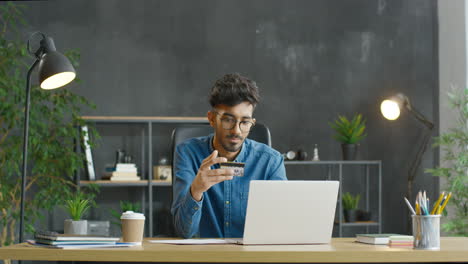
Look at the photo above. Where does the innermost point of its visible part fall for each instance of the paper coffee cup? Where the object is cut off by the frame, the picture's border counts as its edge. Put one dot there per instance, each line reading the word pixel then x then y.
pixel 133 225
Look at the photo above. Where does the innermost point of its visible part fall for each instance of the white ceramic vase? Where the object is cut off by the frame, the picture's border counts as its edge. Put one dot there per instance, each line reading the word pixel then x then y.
pixel 79 227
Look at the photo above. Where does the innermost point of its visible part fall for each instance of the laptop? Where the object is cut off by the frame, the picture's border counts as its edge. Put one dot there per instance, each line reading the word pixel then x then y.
pixel 290 212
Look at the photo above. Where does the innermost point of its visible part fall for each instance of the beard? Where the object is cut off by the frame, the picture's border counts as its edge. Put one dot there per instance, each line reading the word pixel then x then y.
pixel 232 147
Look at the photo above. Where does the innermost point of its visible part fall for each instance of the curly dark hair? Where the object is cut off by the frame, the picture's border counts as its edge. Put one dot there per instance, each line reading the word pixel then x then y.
pixel 233 89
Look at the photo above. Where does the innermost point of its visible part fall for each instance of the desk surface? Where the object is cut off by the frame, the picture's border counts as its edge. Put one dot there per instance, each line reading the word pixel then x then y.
pixel 453 249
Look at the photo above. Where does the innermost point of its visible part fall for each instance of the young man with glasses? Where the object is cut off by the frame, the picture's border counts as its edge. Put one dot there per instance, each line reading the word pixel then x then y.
pixel 209 201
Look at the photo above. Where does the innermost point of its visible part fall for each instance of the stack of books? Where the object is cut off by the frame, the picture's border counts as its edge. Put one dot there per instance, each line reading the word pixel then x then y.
pixel 122 172
pixel 55 240
pixel 376 239
pixel 400 241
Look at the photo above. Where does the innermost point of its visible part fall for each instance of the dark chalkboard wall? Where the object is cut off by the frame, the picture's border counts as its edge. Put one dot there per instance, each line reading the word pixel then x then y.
pixel 312 61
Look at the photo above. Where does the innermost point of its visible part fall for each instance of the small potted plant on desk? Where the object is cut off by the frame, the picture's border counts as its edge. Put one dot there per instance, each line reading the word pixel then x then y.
pixel 350 204
pixel 349 133
pixel 76 206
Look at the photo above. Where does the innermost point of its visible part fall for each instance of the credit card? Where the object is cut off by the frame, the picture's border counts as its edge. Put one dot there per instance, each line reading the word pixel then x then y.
pixel 238 167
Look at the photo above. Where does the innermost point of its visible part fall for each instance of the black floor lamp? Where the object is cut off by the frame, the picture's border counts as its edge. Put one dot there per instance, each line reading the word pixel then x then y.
pixel 390 109
pixel 55 71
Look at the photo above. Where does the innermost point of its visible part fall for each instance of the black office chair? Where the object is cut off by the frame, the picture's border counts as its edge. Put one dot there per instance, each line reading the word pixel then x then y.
pixel 259 133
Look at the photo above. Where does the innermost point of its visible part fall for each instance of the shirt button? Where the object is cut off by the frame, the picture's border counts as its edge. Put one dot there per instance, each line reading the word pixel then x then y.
pixel 227 202
pixel 196 208
pixel 227 223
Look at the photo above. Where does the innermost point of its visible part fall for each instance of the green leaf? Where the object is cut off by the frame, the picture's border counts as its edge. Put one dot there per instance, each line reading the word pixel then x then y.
pixel 454 169
pixel 348 132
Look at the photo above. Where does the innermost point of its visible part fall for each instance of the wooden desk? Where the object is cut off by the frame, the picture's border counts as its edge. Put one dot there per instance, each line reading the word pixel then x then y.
pixel 342 250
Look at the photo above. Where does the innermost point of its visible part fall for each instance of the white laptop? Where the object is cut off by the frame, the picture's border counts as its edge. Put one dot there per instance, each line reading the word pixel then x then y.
pixel 290 212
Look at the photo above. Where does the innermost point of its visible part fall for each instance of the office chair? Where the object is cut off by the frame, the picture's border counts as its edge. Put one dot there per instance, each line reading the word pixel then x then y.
pixel 259 133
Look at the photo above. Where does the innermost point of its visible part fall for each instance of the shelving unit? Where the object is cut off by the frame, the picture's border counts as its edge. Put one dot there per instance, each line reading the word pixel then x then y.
pixel 146 167
pixel 146 164
pixel 340 164
pixel 125 183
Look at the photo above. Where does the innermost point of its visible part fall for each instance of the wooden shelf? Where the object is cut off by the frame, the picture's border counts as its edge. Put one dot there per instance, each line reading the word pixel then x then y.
pixel 155 119
pixel 125 183
pixel 115 183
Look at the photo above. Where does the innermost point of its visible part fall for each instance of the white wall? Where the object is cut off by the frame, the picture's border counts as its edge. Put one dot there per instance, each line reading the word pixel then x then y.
pixel 452 58
pixel 452 52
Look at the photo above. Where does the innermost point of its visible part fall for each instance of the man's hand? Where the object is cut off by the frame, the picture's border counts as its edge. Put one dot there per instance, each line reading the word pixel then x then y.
pixel 206 177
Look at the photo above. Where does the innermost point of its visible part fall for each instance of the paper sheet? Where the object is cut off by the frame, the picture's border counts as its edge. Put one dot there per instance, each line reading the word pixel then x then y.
pixel 191 241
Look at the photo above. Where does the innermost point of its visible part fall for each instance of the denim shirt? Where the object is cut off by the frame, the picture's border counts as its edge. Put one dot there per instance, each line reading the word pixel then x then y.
pixel 221 212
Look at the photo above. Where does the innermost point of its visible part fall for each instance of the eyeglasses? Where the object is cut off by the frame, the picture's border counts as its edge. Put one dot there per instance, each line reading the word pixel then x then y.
pixel 229 123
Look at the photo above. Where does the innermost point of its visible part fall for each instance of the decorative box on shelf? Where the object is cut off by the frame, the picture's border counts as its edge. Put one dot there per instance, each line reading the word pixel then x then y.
pixel 162 173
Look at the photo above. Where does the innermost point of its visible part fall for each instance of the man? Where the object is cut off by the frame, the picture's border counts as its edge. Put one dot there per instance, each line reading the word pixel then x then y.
pixel 209 201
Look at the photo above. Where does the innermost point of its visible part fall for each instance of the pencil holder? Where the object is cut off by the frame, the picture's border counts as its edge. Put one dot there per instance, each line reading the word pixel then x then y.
pixel 426 232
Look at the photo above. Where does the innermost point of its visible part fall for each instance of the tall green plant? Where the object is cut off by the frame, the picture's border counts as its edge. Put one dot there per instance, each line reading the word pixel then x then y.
pixel 349 131
pixel 52 131
pixel 454 145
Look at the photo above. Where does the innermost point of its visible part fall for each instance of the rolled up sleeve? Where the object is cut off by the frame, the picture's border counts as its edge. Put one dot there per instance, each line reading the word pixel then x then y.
pixel 185 210
pixel 278 171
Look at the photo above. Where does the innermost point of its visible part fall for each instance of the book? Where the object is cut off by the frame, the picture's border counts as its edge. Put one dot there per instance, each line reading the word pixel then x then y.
pixel 124 166
pixel 71 242
pixel 376 239
pixel 134 170
pixel 122 178
pixel 124 174
pixel 49 235
pixel 401 238
pixel 88 154
pixel 401 241
pixel 83 246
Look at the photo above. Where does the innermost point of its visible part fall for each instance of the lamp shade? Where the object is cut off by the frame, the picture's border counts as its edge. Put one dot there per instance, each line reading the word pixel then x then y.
pixel 55 70
pixel 392 106
pixel 390 109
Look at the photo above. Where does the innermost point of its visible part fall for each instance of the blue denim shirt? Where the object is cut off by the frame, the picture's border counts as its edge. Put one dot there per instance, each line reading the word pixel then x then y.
pixel 221 212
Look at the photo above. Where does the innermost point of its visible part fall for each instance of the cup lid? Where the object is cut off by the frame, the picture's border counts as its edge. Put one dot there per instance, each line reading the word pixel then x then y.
pixel 132 215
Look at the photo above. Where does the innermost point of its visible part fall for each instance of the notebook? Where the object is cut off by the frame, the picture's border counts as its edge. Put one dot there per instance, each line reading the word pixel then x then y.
pixel 376 239
pixel 290 212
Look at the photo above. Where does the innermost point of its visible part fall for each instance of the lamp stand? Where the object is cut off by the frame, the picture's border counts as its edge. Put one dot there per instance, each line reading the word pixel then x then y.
pixel 417 161
pixel 25 147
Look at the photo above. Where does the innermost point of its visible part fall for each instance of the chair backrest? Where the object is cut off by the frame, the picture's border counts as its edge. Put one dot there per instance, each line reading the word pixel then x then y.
pixel 259 133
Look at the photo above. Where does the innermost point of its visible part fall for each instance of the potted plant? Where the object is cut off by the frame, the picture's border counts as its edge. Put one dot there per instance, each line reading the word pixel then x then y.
pixel 350 205
pixel 454 168
pixel 349 133
pixel 76 206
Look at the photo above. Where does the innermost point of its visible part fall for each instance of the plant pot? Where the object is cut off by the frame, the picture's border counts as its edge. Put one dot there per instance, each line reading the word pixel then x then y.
pixel 350 215
pixel 349 151
pixel 364 215
pixel 79 227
